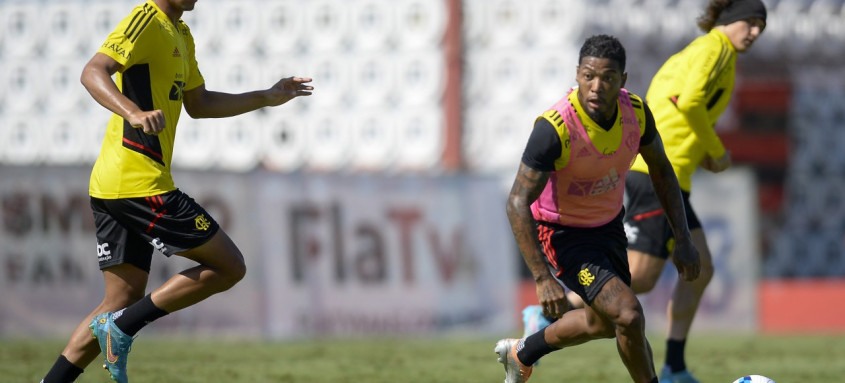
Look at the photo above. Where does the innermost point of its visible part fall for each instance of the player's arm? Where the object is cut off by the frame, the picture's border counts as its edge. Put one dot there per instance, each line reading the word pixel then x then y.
pixel 710 61
pixel 96 78
pixel 203 103
pixel 537 162
pixel 668 191
pixel 527 186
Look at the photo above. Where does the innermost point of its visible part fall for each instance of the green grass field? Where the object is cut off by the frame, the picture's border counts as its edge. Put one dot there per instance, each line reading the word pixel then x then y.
pixel 715 359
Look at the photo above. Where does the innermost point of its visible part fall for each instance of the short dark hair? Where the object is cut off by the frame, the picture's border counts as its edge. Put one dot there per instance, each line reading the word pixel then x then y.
pixel 605 47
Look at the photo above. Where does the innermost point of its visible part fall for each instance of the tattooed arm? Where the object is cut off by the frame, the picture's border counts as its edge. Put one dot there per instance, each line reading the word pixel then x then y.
pixel 666 186
pixel 527 186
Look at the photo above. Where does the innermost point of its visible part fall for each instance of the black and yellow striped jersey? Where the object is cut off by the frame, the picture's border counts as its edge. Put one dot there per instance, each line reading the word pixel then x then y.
pixel 158 65
pixel 687 95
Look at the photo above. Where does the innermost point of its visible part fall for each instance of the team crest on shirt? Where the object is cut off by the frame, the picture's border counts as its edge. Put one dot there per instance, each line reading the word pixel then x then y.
pixel 202 223
pixel 585 278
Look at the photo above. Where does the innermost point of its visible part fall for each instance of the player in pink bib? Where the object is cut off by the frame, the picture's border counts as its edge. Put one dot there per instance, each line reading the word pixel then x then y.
pixel 565 210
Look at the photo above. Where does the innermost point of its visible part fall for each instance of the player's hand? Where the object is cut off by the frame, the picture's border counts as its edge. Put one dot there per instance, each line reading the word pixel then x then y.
pixel 150 122
pixel 717 165
pixel 552 297
pixel 287 89
pixel 686 259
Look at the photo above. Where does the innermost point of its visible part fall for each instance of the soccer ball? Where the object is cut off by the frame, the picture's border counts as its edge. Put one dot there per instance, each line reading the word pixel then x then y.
pixel 754 379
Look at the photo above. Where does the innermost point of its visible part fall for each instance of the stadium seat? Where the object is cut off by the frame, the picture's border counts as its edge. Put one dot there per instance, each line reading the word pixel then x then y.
pixel 329 142
pixel 198 144
pixel 420 135
pixel 283 142
pixel 374 143
pixel 422 23
pixel 240 142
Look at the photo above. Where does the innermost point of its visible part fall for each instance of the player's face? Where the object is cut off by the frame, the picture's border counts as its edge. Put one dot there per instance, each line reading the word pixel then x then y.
pixel 599 81
pixel 743 33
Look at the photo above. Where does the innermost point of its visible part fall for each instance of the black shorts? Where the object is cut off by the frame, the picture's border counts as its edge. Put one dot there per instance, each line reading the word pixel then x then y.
pixel 130 229
pixel 646 224
pixel 584 259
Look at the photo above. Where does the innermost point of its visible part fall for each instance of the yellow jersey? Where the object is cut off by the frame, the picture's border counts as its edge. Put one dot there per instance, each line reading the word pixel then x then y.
pixel 687 95
pixel 159 64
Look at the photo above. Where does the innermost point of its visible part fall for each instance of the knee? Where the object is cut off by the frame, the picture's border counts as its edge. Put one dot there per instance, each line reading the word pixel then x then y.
pixel 630 319
pixel 234 273
pixel 706 274
pixel 643 283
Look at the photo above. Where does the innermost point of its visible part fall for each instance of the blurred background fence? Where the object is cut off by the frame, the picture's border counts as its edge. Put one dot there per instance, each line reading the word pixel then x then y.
pixel 401 161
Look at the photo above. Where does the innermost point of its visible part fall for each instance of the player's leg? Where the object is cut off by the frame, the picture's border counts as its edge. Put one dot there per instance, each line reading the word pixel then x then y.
pixel 221 266
pixel 645 270
pixel 175 224
pixel 616 303
pixel 124 285
pixel 125 261
pixel 684 305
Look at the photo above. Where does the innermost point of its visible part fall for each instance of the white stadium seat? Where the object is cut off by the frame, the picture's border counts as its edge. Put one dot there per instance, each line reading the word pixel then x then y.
pixel 329 139
pixel 374 143
pixel 197 143
pixel 283 141
pixel 240 142
pixel 21 140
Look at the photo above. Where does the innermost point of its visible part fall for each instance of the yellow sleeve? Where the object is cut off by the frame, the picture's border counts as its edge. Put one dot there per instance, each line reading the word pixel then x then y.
pixel 709 57
pixel 195 78
pixel 554 118
pixel 120 44
pixel 639 110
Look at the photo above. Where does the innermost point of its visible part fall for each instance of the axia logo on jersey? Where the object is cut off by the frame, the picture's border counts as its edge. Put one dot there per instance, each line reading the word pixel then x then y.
pixel 103 252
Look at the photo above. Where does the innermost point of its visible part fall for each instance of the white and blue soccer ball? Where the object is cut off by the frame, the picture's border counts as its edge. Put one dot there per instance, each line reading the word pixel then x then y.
pixel 754 379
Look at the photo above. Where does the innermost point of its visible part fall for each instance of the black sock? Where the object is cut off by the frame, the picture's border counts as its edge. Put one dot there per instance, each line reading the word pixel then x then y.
pixel 654 380
pixel 675 354
pixel 133 318
pixel 63 371
pixel 533 348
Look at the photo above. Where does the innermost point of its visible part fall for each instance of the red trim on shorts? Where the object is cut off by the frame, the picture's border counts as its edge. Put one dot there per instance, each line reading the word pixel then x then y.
pixel 155 202
pixel 544 234
pixel 648 214
pixel 153 222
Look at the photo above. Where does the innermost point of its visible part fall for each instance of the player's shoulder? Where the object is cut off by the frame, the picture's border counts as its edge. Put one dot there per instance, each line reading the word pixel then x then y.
pixel 636 100
pixel 553 117
pixel 137 21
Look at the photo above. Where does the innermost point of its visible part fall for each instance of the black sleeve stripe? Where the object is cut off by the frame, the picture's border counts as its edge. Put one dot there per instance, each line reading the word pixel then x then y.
pixel 137 25
pixel 636 102
pixel 132 23
pixel 556 118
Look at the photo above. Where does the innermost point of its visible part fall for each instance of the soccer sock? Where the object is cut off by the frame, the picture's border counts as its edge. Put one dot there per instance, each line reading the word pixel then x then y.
pixel 133 318
pixel 63 371
pixel 675 354
pixel 534 347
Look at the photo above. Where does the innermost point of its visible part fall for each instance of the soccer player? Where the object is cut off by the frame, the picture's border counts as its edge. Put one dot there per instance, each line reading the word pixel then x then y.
pixel 688 94
pixel 565 210
pixel 137 208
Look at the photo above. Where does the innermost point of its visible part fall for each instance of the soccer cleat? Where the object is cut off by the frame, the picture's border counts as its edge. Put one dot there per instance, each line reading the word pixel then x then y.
pixel 515 371
pixel 533 320
pixel 114 344
pixel 667 376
